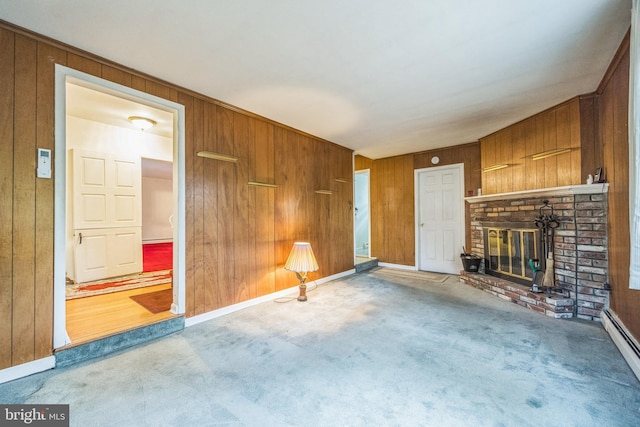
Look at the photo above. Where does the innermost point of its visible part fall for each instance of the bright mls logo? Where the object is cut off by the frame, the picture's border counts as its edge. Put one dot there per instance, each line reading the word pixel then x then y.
pixel 34 415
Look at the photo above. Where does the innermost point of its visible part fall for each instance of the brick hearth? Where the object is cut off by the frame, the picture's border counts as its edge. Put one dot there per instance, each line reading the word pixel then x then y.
pixel 553 306
pixel 580 245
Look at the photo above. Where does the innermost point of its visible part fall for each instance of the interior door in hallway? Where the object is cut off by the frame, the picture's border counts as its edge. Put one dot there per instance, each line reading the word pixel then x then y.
pixel 106 215
pixel 440 218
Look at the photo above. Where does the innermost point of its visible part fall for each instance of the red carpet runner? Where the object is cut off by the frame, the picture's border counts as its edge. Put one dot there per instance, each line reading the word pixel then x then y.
pixel 157 256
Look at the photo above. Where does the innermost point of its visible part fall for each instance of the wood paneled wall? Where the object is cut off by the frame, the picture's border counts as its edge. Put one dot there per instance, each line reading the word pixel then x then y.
pixel 237 236
pixel 469 154
pixel 557 127
pixel 392 197
pixel 612 112
pixel 26 204
pixel 392 210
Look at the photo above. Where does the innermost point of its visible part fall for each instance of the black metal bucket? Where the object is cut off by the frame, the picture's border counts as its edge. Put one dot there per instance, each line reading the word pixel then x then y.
pixel 470 263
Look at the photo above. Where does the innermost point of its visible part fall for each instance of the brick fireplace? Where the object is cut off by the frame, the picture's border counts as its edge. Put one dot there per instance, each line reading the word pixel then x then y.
pixel 579 248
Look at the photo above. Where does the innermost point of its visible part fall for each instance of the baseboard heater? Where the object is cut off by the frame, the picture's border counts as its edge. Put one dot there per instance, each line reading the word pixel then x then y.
pixel 627 345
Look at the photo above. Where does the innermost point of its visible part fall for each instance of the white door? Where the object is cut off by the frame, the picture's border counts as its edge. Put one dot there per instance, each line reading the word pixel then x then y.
pixel 107 215
pixel 440 218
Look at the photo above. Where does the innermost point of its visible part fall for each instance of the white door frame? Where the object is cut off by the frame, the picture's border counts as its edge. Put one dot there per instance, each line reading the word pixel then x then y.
pixel 355 249
pixel 62 75
pixel 416 186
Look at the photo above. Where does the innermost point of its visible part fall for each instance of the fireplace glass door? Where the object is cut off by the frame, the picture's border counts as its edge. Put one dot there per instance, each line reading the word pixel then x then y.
pixel 508 251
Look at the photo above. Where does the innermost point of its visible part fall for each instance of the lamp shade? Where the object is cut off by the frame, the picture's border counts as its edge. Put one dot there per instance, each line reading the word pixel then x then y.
pixel 301 258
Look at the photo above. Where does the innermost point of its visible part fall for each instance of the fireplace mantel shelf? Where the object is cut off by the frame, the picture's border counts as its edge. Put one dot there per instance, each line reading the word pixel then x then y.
pixel 554 191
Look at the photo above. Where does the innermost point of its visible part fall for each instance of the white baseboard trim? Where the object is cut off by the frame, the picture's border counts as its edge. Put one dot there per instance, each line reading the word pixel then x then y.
pixel 398 266
pixel 335 276
pixel 26 369
pixel 190 321
pixel 621 337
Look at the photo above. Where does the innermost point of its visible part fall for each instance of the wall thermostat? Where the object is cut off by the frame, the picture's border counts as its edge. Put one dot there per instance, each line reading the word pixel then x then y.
pixel 44 163
pixel 435 160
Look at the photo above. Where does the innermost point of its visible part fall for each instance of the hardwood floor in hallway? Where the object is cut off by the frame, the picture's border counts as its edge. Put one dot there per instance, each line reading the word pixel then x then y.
pixel 99 316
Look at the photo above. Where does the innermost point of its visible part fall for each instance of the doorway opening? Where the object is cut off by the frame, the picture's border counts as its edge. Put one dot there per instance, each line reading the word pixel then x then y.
pixel 362 217
pixel 113 183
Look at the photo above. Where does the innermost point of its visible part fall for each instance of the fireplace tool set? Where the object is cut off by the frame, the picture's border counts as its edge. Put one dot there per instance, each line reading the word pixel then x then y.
pixel 546 222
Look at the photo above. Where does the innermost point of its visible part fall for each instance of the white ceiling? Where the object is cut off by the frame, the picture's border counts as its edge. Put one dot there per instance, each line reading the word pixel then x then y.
pixel 90 104
pixel 381 77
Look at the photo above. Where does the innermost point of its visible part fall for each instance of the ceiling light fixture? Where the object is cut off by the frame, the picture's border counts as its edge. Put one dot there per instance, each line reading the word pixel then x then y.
pixel 142 123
